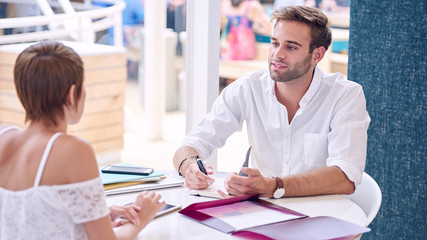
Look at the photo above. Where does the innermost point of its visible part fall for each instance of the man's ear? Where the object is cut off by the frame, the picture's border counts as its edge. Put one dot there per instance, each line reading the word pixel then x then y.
pixel 70 95
pixel 318 54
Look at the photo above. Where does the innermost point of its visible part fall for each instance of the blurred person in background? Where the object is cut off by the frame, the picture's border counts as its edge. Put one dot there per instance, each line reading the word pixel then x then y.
pixel 240 20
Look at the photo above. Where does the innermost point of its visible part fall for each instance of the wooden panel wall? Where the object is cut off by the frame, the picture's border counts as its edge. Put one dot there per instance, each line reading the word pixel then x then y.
pixel 102 123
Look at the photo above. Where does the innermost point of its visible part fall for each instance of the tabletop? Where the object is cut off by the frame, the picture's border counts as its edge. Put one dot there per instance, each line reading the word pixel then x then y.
pixel 176 226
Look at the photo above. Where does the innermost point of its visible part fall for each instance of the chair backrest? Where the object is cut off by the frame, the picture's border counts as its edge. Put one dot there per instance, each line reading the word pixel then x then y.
pixel 368 197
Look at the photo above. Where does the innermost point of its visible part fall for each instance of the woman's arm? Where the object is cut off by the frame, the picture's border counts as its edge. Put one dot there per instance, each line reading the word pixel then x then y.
pixel 78 157
pixel 262 24
pixel 148 202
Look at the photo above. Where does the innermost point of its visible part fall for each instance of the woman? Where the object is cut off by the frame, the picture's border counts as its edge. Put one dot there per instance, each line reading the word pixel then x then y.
pixel 240 20
pixel 49 182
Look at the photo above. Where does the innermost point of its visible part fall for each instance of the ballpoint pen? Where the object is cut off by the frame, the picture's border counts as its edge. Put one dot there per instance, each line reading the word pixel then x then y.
pixel 200 163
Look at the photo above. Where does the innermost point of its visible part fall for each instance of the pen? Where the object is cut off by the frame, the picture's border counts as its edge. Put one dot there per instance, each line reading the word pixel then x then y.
pixel 200 163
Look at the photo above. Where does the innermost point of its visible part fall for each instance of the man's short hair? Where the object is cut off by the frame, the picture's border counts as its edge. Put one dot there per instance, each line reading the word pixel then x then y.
pixel 321 34
pixel 43 75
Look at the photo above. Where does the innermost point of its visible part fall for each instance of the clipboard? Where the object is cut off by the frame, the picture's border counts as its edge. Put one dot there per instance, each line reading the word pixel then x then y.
pixel 294 226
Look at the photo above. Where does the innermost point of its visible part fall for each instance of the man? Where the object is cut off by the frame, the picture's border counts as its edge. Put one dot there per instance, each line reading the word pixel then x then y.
pixel 307 129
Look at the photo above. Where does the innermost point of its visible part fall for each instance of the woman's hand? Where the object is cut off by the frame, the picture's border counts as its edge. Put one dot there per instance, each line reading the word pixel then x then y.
pixel 150 204
pixel 129 213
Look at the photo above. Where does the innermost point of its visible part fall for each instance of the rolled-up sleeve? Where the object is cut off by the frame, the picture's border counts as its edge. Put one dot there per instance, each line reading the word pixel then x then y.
pixel 348 136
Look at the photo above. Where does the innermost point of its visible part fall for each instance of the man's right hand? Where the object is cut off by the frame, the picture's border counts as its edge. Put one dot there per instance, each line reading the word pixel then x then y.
pixel 195 179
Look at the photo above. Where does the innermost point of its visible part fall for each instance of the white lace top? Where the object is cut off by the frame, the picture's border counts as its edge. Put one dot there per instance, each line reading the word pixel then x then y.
pixel 51 212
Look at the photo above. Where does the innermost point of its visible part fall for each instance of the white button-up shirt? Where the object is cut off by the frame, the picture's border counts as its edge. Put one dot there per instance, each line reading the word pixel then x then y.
pixel 329 128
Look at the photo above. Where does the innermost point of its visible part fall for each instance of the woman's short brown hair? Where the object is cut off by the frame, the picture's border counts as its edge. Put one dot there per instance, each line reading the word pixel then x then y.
pixel 43 75
pixel 321 34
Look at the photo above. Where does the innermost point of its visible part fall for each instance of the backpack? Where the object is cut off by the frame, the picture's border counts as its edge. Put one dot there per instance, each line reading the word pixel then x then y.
pixel 238 38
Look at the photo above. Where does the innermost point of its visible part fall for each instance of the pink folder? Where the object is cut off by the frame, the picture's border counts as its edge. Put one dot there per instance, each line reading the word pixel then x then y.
pixel 300 227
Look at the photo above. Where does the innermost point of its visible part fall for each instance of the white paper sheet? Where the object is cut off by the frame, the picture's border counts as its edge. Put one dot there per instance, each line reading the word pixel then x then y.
pixel 246 214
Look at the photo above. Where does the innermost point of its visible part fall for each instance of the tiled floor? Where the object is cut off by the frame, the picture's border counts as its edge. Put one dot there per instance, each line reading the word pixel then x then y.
pixel 158 154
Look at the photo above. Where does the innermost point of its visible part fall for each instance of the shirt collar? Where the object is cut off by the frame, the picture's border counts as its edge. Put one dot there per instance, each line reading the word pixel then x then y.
pixel 272 86
pixel 312 89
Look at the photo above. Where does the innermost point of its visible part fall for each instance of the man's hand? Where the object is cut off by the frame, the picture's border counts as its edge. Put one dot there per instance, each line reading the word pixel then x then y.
pixel 195 179
pixel 254 183
pixel 185 162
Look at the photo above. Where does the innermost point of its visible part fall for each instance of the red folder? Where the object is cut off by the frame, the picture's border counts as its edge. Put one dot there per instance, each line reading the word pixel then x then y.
pixel 300 227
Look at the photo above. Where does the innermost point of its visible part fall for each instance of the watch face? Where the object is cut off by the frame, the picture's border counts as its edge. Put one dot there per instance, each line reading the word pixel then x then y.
pixel 279 193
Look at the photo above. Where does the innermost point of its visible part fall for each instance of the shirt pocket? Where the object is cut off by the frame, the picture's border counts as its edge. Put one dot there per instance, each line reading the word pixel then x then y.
pixel 315 150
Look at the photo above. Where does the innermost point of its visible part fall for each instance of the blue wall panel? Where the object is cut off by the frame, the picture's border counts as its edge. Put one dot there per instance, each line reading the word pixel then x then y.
pixel 388 57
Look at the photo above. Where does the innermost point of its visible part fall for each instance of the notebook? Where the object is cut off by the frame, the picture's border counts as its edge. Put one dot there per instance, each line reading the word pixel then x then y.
pixel 109 178
pixel 211 191
pixel 164 183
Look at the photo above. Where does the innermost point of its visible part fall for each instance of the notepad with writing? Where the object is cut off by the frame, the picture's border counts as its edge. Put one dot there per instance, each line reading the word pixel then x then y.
pixel 254 218
pixel 211 191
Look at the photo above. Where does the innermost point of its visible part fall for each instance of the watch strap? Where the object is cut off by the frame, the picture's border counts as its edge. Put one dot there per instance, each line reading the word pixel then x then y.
pixel 279 182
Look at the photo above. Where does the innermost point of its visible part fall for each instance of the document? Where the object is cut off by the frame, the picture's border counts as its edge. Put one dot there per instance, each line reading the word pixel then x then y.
pixel 247 214
pixel 254 218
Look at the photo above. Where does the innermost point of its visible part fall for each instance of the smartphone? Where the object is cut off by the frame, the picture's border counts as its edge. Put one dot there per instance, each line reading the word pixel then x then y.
pixel 135 170
pixel 167 208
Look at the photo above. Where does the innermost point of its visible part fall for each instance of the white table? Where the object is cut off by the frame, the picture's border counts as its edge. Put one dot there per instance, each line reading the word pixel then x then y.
pixel 177 226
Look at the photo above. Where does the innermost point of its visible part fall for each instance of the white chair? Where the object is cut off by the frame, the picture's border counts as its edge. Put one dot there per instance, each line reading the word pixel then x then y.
pixel 368 197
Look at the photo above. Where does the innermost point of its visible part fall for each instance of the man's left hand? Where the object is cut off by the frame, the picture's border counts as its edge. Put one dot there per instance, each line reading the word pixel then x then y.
pixel 254 183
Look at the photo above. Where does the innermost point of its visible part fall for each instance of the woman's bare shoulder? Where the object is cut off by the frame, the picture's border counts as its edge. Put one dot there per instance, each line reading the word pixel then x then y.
pixel 74 142
pixel 77 156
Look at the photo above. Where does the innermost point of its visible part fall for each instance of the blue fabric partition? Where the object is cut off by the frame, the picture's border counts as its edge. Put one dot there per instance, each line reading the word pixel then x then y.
pixel 387 56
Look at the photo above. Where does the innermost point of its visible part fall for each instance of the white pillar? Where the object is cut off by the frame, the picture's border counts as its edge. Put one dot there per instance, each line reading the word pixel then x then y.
pixel 154 67
pixel 202 56
pixel 118 29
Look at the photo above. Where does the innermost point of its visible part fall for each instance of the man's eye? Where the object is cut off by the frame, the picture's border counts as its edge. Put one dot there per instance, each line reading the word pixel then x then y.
pixel 291 47
pixel 275 44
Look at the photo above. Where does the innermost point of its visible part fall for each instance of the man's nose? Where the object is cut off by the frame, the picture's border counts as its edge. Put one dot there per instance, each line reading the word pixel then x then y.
pixel 279 53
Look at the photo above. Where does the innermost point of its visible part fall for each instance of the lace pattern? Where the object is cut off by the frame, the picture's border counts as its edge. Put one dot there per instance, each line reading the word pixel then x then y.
pixel 85 202
pixel 51 212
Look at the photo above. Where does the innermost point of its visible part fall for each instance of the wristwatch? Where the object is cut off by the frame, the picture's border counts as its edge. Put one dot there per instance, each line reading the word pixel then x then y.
pixel 280 190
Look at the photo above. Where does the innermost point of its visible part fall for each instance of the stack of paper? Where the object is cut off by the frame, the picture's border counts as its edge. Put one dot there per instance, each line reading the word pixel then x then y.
pixel 125 183
pixel 164 183
pixel 132 182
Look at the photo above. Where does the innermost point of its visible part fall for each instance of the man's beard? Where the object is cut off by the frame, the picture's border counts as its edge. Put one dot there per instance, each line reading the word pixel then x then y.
pixel 299 69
